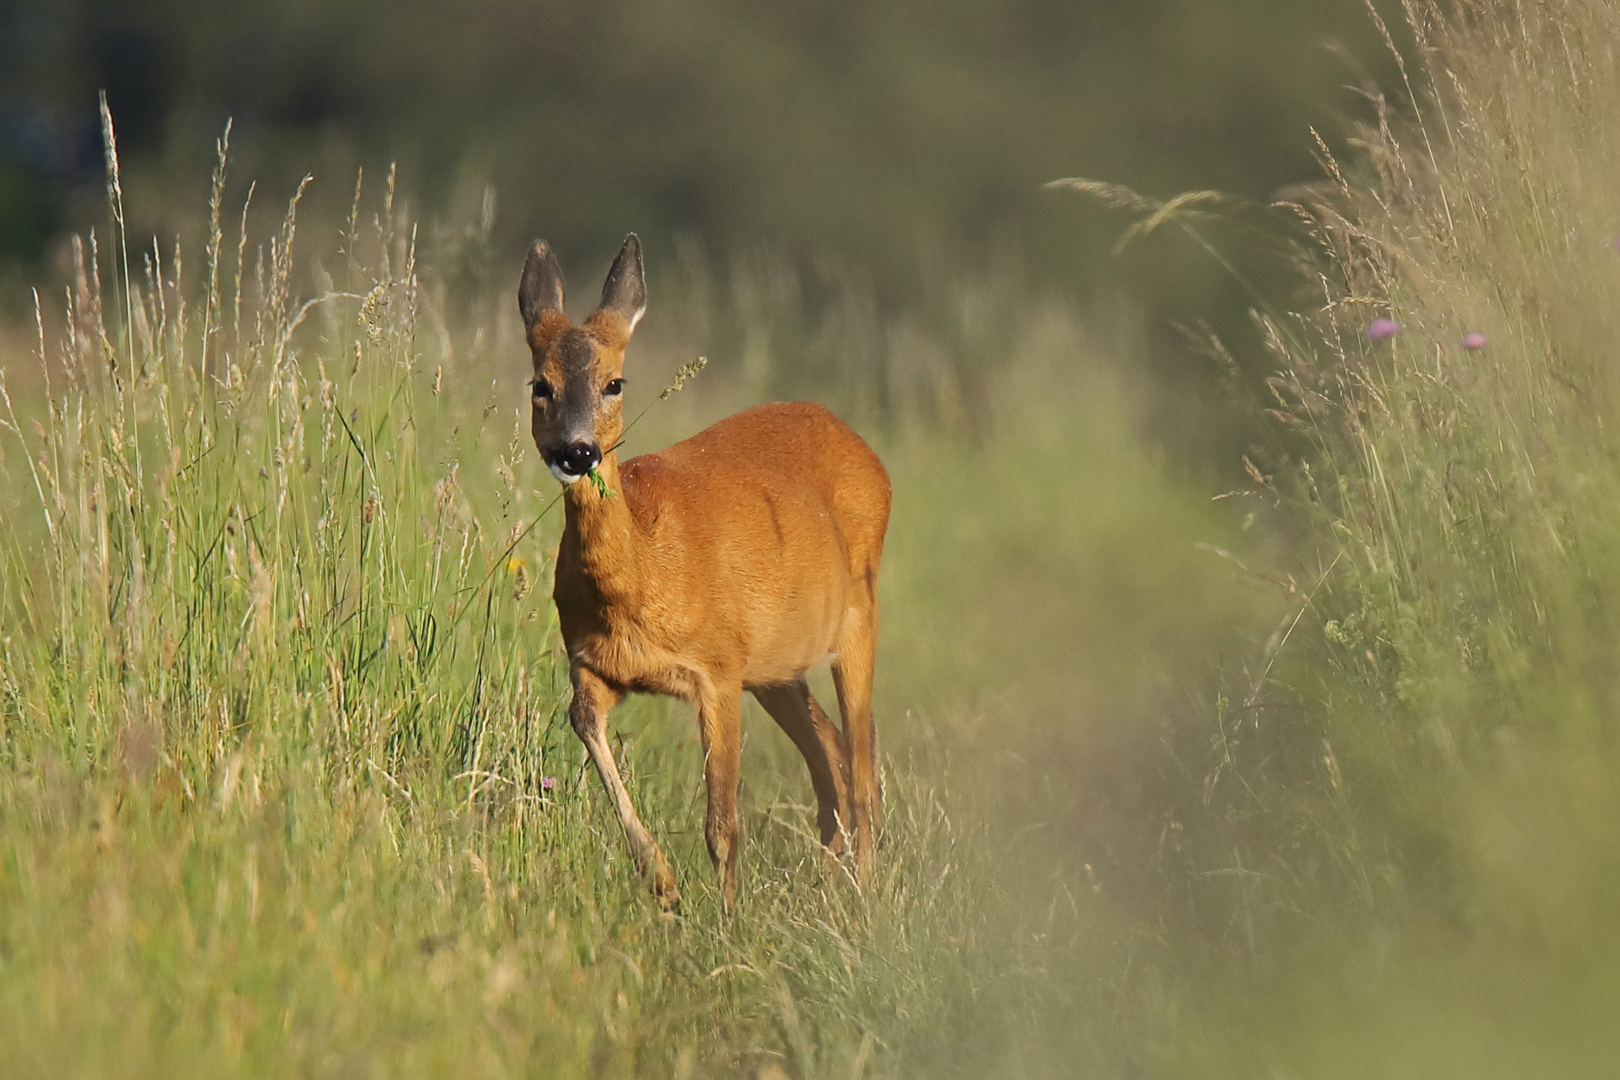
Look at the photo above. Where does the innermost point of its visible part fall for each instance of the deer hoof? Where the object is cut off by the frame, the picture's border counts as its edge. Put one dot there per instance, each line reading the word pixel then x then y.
pixel 669 897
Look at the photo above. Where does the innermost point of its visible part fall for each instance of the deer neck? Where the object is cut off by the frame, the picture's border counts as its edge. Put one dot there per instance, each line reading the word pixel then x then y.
pixel 604 532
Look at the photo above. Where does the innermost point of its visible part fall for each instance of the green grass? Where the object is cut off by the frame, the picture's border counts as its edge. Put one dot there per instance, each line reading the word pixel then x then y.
pixel 1458 658
pixel 288 785
pixel 1317 779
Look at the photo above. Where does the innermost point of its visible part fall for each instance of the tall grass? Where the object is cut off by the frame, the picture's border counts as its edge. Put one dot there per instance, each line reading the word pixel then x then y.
pixel 1402 851
pixel 1459 480
pixel 287 784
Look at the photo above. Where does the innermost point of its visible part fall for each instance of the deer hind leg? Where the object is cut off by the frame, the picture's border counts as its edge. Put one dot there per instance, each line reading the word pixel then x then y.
pixel 852 675
pixel 720 719
pixel 793 707
pixel 588 712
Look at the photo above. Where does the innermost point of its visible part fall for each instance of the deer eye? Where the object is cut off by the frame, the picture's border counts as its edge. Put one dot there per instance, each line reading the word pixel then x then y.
pixel 613 388
pixel 542 389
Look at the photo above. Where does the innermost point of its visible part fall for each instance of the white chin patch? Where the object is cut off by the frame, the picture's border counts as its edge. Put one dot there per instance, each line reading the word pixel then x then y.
pixel 560 475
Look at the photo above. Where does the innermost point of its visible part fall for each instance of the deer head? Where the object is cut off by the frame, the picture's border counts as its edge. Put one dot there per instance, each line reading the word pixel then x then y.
pixel 578 384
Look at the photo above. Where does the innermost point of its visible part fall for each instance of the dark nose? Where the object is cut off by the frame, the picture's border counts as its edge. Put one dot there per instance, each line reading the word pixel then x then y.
pixel 579 458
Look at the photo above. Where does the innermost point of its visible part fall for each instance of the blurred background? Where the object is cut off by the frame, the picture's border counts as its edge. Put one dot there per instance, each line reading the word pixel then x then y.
pixel 898 144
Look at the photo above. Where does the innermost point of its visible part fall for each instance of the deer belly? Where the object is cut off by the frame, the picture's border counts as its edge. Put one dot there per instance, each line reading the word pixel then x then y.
pixel 796 629
pixel 796 581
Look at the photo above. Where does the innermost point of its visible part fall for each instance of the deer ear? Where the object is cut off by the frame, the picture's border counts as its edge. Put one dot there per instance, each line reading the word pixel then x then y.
pixel 542 288
pixel 624 294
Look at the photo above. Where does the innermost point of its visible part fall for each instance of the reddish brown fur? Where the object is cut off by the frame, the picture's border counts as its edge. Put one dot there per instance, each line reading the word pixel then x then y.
pixel 737 559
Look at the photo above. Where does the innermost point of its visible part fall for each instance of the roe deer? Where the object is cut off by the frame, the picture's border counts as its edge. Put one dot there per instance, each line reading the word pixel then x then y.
pixel 735 560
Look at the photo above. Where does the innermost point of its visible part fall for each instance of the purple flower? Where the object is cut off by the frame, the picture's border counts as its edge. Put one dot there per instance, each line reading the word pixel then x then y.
pixel 547 783
pixel 1383 329
pixel 1474 341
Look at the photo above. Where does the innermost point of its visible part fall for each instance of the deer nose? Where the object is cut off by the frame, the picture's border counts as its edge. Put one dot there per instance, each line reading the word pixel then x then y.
pixel 579 458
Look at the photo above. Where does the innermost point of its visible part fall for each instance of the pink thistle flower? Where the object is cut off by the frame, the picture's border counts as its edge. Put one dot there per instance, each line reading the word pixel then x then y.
pixel 1474 341
pixel 1383 329
pixel 547 783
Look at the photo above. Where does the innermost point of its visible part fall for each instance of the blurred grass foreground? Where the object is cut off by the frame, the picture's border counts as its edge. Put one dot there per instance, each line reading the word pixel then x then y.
pixel 1325 786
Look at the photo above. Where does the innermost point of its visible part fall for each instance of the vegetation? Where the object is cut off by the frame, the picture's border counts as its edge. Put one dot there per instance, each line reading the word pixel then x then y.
pixel 1461 481
pixel 1313 779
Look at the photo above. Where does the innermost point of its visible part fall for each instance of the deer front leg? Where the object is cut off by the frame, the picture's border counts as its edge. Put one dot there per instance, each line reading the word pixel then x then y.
pixel 594 698
pixel 720 718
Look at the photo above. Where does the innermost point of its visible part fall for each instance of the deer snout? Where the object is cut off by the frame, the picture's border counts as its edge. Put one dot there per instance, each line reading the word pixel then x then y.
pixel 576 459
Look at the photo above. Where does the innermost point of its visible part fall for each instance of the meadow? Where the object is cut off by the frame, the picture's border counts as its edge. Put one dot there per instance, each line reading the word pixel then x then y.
pixel 1311 778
